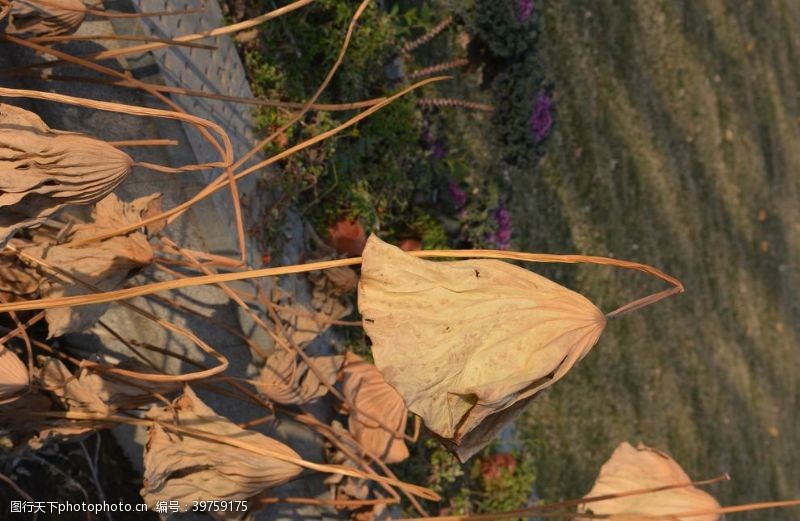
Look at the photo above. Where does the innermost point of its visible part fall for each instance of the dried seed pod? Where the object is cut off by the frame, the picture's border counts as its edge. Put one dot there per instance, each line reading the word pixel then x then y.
pixel 639 468
pixel 467 343
pixel 185 467
pixel 374 399
pixel 42 171
pixel 45 17
pixel 14 376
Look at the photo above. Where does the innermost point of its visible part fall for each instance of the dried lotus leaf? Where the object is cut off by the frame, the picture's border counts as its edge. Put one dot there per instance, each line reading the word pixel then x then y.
pixel 374 399
pixel 638 468
pixel 104 264
pixel 42 171
pixel 463 341
pixel 55 378
pixel 45 17
pixel 14 378
pixel 184 467
pixel 120 392
pixel 287 380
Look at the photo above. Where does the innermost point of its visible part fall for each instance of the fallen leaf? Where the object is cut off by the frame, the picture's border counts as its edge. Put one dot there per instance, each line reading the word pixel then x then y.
pixel 374 399
pixel 74 395
pixel 104 264
pixel 14 378
pixel 465 341
pixel 42 170
pixel 45 17
pixel 286 379
pixel 637 468
pixel 186 468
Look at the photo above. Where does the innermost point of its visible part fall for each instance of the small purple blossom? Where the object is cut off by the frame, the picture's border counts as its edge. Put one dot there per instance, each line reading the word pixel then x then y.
pixel 501 237
pixel 524 10
pixel 437 150
pixel 457 194
pixel 542 116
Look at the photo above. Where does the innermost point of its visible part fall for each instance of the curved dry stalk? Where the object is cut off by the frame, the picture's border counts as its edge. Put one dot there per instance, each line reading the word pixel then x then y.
pixel 10 482
pixel 318 467
pixel 261 102
pixel 118 37
pixel 227 153
pixel 221 182
pixel 544 510
pixel 6 8
pixel 221 367
pixel 148 289
pixel 307 106
pixel 107 106
pixel 220 31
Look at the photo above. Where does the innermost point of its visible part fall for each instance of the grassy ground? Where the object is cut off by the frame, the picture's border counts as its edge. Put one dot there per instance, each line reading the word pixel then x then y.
pixel 677 143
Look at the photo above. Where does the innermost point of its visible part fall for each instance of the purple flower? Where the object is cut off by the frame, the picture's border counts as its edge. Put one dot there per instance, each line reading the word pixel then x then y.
pixel 542 116
pixel 458 195
pixel 437 150
pixel 524 10
pixel 501 237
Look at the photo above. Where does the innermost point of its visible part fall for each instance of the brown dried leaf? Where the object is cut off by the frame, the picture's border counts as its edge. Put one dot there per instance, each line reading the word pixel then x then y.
pixel 330 289
pixel 464 341
pixel 632 468
pixel 103 264
pixel 374 399
pixel 187 468
pixel 55 378
pixel 42 171
pixel 45 17
pixel 287 380
pixel 122 393
pixel 14 378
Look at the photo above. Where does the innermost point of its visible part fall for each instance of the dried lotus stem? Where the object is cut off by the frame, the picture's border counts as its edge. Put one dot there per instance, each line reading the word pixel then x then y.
pixel 156 287
pixel 45 17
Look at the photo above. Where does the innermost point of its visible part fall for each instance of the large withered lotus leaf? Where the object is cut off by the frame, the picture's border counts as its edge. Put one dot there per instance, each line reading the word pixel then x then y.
pixel 104 264
pixel 462 341
pixel 45 17
pixel 635 468
pixel 42 171
pixel 74 395
pixel 379 418
pixel 288 380
pixel 186 468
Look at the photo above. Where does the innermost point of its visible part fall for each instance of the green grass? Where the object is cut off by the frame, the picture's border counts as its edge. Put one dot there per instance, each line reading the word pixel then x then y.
pixel 676 123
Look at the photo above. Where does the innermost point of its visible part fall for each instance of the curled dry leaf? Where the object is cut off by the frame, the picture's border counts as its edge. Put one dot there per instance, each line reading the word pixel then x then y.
pixel 42 170
pixel 45 17
pixel 119 392
pixel 374 399
pixel 468 343
pixel 104 264
pixel 74 395
pixel 184 467
pixel 14 376
pixel 637 468
pixel 330 288
pixel 286 379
